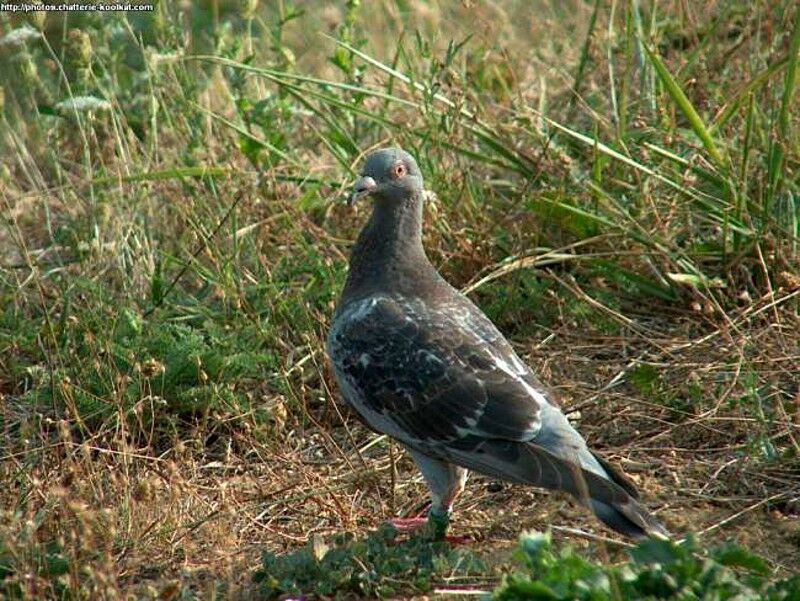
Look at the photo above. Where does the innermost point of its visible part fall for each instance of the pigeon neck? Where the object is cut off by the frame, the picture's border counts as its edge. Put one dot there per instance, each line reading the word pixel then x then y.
pixel 388 255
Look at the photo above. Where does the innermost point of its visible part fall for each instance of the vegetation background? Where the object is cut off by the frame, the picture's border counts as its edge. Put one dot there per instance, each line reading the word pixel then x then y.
pixel 617 187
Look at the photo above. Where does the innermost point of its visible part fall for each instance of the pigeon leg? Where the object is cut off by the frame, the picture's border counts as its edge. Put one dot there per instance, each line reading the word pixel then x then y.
pixel 445 482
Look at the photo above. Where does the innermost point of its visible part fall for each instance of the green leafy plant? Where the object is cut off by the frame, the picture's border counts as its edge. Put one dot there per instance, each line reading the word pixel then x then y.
pixel 380 565
pixel 657 569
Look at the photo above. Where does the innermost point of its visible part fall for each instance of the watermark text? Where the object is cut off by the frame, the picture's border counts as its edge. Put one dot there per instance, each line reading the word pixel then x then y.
pixel 29 7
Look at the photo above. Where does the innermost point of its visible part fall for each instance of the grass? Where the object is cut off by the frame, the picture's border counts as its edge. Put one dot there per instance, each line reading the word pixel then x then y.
pixel 616 186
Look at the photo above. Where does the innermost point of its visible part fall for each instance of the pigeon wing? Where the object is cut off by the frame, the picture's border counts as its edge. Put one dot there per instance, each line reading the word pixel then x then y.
pixel 432 375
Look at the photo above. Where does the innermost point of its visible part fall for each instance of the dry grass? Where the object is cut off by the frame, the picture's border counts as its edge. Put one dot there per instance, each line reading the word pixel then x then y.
pixel 145 484
pixel 198 512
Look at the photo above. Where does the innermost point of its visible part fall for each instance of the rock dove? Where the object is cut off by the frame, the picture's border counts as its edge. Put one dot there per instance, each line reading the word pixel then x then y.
pixel 418 361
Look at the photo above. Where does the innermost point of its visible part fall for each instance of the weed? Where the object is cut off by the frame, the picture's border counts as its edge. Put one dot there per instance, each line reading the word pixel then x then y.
pixel 380 565
pixel 657 570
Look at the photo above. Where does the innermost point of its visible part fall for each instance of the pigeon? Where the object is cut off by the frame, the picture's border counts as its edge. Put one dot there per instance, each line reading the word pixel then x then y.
pixel 419 362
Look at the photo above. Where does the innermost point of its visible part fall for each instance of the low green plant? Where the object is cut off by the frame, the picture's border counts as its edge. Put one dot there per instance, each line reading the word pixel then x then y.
pixel 657 569
pixel 380 565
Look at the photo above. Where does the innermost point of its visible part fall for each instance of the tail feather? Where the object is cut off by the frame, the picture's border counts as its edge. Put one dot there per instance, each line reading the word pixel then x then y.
pixel 615 474
pixel 611 496
pixel 633 520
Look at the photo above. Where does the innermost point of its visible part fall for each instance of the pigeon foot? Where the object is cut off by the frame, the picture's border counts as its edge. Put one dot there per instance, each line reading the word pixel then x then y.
pixel 434 526
pixel 409 524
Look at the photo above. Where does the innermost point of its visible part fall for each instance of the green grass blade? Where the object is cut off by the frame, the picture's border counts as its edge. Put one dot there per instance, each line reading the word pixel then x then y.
pixel 731 108
pixel 777 153
pixel 784 122
pixel 715 207
pixel 281 77
pixel 687 164
pixel 584 60
pixel 246 134
pixel 400 76
pixel 688 110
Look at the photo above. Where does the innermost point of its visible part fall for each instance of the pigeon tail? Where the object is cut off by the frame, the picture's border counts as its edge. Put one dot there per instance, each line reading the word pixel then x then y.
pixel 644 523
pixel 625 515
pixel 612 497
pixel 620 522
pixel 608 494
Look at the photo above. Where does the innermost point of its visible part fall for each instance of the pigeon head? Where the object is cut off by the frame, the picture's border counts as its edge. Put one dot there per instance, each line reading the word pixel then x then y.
pixel 389 174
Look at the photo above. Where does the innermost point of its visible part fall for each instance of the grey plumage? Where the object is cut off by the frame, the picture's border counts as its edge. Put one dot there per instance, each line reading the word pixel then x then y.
pixel 420 362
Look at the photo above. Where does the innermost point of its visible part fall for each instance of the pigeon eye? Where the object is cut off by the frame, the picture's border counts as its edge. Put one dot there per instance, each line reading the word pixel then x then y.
pixel 398 170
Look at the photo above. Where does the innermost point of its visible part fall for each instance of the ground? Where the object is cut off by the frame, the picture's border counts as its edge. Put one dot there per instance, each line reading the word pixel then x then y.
pixel 616 186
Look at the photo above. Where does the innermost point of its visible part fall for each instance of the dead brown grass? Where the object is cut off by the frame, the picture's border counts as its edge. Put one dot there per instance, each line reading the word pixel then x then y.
pixel 198 513
pixel 141 513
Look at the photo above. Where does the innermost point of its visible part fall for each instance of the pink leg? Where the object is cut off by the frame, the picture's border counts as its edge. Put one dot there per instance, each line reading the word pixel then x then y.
pixel 445 482
pixel 436 531
pixel 409 524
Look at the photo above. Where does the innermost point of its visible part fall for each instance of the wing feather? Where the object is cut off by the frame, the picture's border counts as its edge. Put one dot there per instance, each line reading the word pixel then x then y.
pixel 429 374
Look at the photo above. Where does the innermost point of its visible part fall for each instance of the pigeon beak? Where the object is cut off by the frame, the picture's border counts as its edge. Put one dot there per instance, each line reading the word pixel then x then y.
pixel 364 186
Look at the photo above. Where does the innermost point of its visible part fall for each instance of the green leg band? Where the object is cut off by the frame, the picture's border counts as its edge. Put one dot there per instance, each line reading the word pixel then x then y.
pixel 437 524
